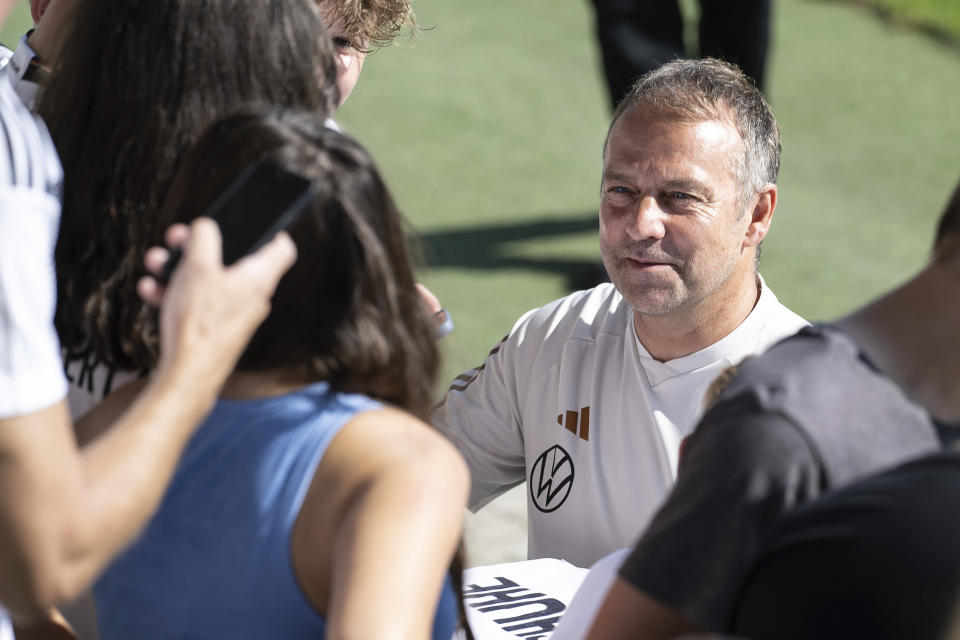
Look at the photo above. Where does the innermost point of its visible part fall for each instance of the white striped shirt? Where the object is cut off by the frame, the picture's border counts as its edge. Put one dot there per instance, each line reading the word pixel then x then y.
pixel 6 629
pixel 31 370
pixel 16 65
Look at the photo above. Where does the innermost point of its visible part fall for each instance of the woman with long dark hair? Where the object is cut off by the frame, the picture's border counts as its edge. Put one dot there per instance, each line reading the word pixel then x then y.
pixel 135 84
pixel 315 499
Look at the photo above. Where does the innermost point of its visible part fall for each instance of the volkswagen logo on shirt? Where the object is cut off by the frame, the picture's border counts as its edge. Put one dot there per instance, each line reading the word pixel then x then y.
pixel 551 479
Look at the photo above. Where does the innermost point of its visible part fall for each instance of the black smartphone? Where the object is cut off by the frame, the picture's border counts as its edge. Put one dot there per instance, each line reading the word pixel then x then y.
pixel 260 202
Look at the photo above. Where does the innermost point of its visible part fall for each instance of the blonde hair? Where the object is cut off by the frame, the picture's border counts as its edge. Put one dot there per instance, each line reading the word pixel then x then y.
pixel 721 382
pixel 376 23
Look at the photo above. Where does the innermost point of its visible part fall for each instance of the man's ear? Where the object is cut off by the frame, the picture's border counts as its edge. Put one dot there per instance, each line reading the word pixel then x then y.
pixel 761 216
pixel 38 8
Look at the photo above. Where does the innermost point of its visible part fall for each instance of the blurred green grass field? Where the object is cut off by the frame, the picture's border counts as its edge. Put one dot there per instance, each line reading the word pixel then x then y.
pixel 16 24
pixel 489 125
pixel 941 17
pixel 489 130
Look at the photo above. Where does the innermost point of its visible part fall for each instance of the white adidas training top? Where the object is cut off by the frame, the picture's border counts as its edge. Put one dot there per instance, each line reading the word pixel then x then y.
pixel 572 402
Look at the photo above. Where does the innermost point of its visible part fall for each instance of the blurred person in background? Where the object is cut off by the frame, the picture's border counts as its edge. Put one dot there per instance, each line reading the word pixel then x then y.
pixel 637 36
pixel 28 66
pixel 359 27
pixel 355 28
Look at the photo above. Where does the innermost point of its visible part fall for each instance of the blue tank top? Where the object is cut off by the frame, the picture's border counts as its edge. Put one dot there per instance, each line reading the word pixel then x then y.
pixel 214 562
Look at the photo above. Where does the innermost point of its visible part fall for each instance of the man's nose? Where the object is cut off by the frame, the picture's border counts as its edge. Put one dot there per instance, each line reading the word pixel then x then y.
pixel 648 220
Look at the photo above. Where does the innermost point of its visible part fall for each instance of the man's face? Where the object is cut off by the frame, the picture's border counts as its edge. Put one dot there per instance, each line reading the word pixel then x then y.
pixel 350 53
pixel 670 230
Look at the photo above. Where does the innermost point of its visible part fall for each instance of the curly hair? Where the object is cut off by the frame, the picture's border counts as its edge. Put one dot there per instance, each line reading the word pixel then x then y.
pixel 135 85
pixel 374 22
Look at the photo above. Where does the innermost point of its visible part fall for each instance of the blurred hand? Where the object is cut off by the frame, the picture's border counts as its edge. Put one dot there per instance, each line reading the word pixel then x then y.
pixel 441 317
pixel 51 626
pixel 209 312
pixel 430 301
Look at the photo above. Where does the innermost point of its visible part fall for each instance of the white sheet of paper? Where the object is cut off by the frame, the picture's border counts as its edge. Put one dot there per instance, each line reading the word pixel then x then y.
pixel 519 599
pixel 593 590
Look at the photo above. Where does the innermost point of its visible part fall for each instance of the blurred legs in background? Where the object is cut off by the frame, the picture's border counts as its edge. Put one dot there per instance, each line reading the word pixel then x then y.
pixel 636 36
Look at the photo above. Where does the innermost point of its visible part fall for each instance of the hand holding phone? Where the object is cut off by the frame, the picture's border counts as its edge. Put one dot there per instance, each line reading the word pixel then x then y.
pixel 262 201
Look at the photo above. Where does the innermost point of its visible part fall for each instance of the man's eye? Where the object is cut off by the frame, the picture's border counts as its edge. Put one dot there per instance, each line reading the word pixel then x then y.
pixel 342 43
pixel 679 195
pixel 617 189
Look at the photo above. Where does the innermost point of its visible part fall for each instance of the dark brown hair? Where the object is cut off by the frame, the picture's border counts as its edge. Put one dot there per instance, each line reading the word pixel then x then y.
pixel 348 311
pixel 948 229
pixel 134 86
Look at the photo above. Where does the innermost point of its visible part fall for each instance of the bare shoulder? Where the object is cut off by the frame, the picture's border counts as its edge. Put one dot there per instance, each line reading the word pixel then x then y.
pixel 389 440
pixel 385 474
pixel 385 452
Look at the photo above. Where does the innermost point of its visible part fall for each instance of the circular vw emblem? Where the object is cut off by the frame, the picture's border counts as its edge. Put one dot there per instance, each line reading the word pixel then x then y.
pixel 551 479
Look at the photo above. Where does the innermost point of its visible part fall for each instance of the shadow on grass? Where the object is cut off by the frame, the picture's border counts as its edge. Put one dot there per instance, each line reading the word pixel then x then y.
pixel 487 247
pixel 899 13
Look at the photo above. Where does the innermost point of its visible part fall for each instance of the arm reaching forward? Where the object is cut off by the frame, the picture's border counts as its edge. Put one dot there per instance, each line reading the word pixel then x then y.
pixel 65 512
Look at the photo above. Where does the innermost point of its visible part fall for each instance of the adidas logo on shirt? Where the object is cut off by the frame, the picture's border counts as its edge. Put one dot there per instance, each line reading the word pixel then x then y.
pixel 577 423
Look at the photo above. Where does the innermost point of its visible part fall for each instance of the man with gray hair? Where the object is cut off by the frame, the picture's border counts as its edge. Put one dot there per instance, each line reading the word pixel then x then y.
pixel 589 397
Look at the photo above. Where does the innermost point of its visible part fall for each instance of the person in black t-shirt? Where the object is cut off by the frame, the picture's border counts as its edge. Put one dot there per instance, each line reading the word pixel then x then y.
pixel 879 559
